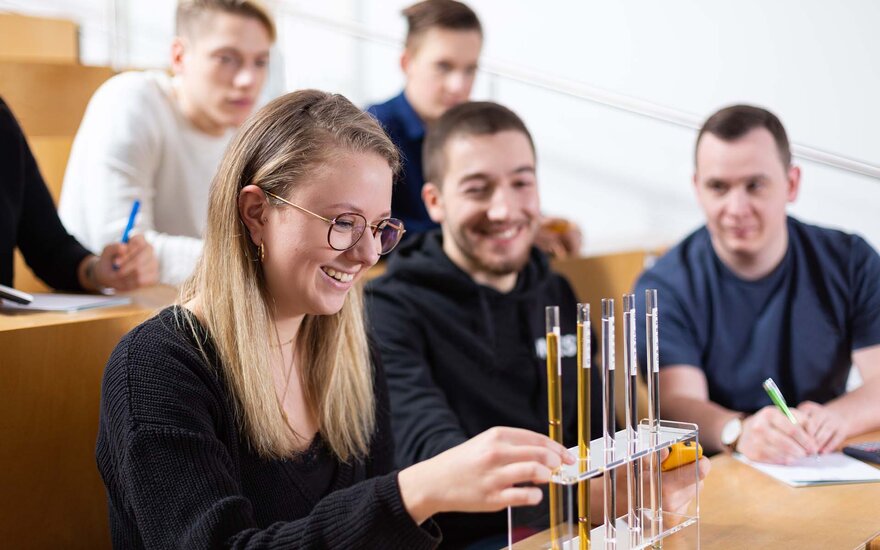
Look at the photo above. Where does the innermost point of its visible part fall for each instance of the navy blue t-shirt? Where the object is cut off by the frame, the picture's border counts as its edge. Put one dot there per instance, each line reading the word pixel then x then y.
pixel 407 131
pixel 798 325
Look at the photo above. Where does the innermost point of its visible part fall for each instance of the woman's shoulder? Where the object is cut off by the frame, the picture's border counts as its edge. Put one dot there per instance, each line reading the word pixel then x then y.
pixel 162 372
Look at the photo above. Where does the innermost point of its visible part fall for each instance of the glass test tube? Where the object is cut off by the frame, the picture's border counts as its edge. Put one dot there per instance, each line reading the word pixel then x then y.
pixel 584 361
pixel 653 355
pixel 554 413
pixel 631 368
pixel 608 421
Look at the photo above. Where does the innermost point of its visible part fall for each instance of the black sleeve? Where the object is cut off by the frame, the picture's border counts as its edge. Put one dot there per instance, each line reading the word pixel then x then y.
pixel 422 421
pixel 164 458
pixel 52 253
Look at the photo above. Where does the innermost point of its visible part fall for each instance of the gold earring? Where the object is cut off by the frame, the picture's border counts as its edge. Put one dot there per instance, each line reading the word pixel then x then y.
pixel 262 252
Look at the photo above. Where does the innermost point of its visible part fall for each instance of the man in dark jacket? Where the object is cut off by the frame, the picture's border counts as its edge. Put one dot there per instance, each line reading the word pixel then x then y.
pixel 459 315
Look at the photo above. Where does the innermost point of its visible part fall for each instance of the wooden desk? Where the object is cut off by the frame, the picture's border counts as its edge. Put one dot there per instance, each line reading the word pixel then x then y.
pixel 50 374
pixel 743 509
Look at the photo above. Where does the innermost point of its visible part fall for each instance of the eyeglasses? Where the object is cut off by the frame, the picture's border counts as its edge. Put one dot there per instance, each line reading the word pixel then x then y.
pixel 348 228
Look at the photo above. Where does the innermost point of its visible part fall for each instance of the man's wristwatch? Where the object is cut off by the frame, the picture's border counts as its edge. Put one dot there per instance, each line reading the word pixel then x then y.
pixel 731 432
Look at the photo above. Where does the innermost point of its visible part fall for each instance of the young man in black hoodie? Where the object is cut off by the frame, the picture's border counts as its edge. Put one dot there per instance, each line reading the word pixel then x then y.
pixel 459 315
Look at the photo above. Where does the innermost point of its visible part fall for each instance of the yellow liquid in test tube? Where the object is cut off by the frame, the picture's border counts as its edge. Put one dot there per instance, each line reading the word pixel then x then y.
pixel 583 386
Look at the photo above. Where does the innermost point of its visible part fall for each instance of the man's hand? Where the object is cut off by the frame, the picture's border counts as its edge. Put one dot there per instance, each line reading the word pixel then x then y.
pixel 559 237
pixel 824 425
pixel 677 485
pixel 768 436
pixel 127 266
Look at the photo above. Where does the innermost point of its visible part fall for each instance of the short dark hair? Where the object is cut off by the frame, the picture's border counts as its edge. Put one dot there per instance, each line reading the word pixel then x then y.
pixel 444 14
pixel 473 118
pixel 731 123
pixel 191 12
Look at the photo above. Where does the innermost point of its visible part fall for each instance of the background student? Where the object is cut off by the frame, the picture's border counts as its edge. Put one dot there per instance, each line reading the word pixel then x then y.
pixel 755 294
pixel 28 220
pixel 158 139
pixel 439 63
pixel 255 413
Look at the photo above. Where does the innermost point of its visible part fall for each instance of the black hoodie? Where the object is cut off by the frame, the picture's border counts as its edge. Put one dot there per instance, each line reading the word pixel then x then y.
pixel 461 357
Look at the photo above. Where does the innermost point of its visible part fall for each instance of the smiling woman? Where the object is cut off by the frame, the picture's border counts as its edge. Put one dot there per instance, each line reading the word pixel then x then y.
pixel 255 414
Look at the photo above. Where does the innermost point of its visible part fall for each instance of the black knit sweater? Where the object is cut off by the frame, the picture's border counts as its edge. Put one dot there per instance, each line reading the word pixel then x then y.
pixel 179 474
pixel 28 219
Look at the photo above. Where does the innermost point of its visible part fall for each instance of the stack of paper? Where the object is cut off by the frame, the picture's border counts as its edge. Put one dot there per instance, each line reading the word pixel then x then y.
pixel 68 303
pixel 830 469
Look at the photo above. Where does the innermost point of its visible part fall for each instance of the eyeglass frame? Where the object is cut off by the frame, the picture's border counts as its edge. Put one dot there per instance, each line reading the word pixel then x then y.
pixel 373 226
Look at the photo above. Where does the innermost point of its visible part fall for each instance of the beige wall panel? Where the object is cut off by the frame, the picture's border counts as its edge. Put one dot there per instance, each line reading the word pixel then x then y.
pixel 52 153
pixel 49 99
pixel 38 39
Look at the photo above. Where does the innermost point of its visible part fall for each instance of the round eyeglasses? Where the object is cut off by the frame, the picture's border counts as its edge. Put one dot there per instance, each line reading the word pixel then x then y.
pixel 347 229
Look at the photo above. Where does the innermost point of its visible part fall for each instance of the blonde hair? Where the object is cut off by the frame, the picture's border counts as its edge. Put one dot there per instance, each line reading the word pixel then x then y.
pixel 191 12
pixel 276 150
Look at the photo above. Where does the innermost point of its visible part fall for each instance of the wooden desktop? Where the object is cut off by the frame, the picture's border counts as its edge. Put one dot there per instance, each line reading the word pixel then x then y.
pixel 744 509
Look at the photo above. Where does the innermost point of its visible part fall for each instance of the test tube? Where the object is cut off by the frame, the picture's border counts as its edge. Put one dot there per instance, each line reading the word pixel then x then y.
pixel 554 412
pixel 608 422
pixel 631 368
pixel 584 363
pixel 653 355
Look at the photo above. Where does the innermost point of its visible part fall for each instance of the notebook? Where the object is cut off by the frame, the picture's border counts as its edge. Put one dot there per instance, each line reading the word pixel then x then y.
pixel 830 469
pixel 66 303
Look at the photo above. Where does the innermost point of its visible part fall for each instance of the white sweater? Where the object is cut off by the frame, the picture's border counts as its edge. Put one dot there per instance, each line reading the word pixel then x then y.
pixel 134 143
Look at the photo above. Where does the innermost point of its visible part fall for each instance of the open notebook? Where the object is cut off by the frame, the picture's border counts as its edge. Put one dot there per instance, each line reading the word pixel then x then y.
pixel 830 469
pixel 68 303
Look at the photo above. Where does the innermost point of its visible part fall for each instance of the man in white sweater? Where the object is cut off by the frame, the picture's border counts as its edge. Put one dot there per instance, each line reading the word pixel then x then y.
pixel 159 139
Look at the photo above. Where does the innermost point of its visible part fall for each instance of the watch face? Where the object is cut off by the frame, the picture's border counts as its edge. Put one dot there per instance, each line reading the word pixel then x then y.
pixel 731 431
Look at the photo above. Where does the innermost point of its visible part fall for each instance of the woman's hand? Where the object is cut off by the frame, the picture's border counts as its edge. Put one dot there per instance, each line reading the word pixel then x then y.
pixel 481 474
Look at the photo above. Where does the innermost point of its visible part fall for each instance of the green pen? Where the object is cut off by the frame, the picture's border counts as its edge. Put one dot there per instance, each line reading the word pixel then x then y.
pixel 776 396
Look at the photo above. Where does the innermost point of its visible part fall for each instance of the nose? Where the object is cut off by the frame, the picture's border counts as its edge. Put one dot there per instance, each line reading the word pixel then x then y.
pixel 500 205
pixel 367 249
pixel 737 203
pixel 245 77
pixel 457 83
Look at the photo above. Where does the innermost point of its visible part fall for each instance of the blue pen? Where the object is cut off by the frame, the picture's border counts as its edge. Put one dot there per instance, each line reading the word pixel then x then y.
pixel 128 227
pixel 134 210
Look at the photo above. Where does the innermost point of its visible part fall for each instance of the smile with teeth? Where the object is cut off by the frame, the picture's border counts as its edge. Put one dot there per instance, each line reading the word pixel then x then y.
pixel 338 275
pixel 508 233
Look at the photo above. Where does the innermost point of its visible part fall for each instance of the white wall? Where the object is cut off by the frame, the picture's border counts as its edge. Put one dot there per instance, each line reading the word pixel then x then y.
pixel 624 177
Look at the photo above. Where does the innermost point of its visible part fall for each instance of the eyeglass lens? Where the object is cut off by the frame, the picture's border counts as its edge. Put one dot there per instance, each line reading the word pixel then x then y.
pixel 349 228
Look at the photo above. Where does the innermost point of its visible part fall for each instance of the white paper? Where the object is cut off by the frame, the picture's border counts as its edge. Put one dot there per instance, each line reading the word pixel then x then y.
pixel 827 469
pixel 69 303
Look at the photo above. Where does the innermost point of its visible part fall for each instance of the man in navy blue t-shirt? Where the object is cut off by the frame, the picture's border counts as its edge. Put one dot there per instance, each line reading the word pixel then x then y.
pixel 439 61
pixel 756 294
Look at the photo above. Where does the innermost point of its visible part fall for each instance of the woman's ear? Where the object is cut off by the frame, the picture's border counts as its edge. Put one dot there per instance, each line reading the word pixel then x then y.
pixel 253 207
